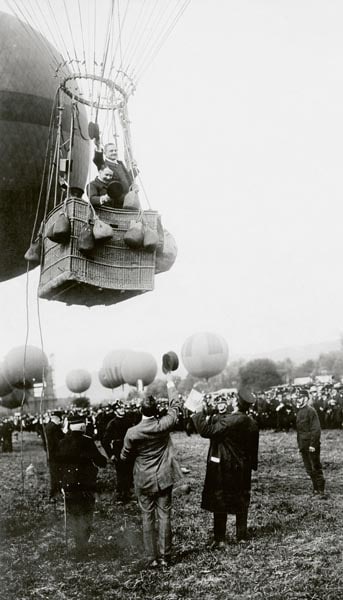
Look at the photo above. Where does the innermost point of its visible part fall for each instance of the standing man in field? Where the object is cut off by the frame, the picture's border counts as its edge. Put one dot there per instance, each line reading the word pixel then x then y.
pixel 79 460
pixel 232 455
pixel 149 444
pixel 308 436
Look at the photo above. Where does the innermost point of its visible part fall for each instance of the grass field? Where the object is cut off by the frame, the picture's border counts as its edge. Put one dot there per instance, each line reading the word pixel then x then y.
pixel 294 551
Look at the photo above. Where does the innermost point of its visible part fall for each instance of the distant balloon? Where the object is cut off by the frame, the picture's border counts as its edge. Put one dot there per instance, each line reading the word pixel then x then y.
pixel 139 366
pixel 205 354
pixel 108 378
pixel 28 88
pixel 5 386
pixel 78 380
pixel 24 366
pixel 112 364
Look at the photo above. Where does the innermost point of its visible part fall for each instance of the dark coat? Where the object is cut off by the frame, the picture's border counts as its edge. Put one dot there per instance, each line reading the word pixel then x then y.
pixel 53 435
pixel 79 458
pixel 120 172
pixel 232 454
pixel 96 189
pixel 308 428
pixel 114 434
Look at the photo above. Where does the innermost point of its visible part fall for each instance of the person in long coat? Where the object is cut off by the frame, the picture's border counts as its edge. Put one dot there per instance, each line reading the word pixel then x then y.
pixel 232 455
pixel 149 444
pixel 79 458
pixel 53 434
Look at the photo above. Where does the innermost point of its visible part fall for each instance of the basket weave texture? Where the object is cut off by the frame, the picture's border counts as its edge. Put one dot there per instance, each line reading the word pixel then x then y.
pixel 113 273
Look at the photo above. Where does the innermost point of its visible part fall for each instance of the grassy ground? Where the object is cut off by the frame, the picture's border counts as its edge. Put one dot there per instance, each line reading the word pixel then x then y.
pixel 294 550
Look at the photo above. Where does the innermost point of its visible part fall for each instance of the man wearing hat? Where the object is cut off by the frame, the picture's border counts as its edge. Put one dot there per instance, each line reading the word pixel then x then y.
pixel 149 444
pixel 308 437
pixel 232 455
pixel 52 435
pixel 108 157
pixel 79 458
pixel 113 442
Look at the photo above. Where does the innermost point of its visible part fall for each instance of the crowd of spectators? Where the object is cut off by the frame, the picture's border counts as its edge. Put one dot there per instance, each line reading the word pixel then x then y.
pixel 274 409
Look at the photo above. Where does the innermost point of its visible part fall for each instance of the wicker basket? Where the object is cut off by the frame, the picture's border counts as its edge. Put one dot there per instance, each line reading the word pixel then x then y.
pixel 114 272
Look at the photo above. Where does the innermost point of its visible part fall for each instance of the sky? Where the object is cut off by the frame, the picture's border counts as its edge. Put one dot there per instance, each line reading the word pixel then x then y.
pixel 237 130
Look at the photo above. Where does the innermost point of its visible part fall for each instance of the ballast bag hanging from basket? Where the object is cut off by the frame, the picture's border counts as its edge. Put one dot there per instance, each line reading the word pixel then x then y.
pixel 60 231
pixel 150 240
pixel 102 231
pixel 34 253
pixel 134 236
pixel 131 201
pixel 85 240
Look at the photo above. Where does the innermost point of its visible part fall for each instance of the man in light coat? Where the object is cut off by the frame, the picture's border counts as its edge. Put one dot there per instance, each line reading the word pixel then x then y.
pixel 154 472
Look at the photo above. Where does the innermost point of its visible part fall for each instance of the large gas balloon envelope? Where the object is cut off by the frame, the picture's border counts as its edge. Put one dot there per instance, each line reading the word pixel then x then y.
pixel 24 366
pixel 205 354
pixel 5 386
pixel 139 366
pixel 78 380
pixel 28 87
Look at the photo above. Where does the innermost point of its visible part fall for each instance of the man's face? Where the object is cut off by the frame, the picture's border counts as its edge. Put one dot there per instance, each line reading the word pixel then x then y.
pixel 111 152
pixel 106 175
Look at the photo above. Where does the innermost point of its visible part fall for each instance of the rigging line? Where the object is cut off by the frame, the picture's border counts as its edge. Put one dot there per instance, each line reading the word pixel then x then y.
pixel 121 25
pixel 161 27
pixel 94 60
pixel 71 36
pixel 52 13
pixel 31 31
pixel 83 46
pixel 164 38
pixel 50 31
pixel 44 166
pixel 140 37
pixel 132 33
pixel 106 46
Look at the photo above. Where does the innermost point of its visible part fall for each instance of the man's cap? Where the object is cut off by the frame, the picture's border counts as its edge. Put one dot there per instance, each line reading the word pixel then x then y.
pixel 303 393
pixel 57 413
pixel 76 419
pixel 170 362
pixel 246 395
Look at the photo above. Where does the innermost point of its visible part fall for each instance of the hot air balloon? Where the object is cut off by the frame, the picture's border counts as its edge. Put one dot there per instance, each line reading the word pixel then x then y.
pixel 68 61
pixel 110 374
pixel 28 94
pixel 205 354
pixel 24 366
pixel 78 380
pixel 139 366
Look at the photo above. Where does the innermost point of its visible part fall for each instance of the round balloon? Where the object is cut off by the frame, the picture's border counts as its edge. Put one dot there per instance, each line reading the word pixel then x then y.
pixel 78 381
pixel 108 379
pixel 112 363
pixel 139 366
pixel 24 366
pixel 5 386
pixel 205 354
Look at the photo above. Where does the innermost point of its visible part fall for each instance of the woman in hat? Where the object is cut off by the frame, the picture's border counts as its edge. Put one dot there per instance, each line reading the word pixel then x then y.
pixel 232 455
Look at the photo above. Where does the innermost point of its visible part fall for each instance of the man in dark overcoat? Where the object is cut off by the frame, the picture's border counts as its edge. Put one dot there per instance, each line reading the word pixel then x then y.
pixel 112 442
pixel 79 458
pixel 308 437
pixel 52 435
pixel 232 455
